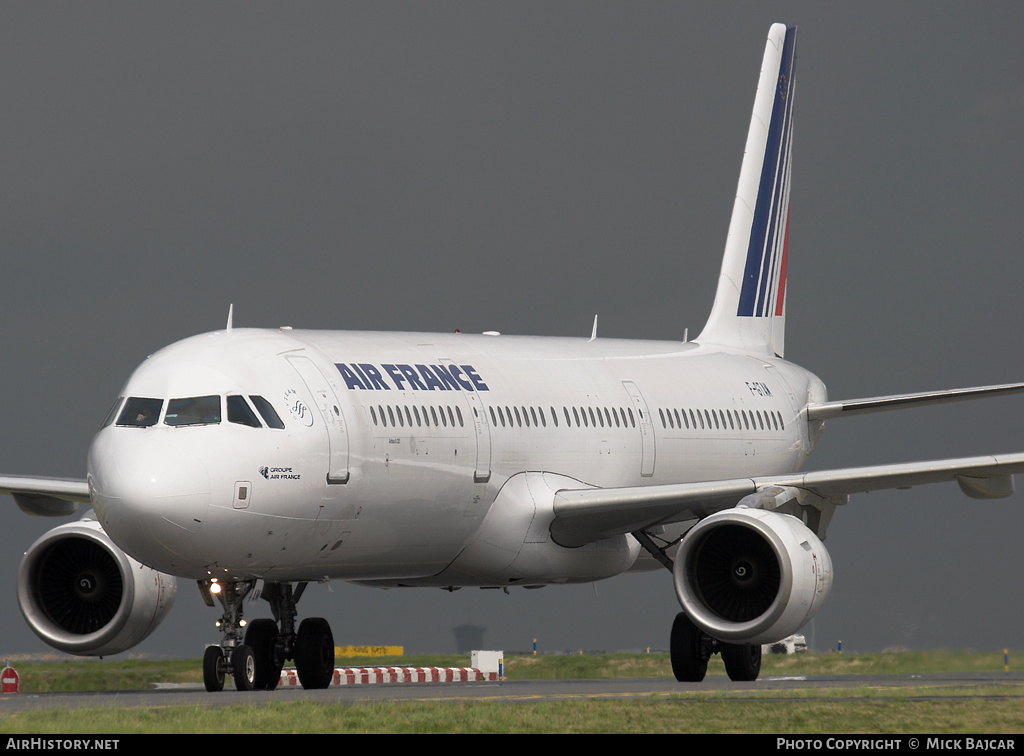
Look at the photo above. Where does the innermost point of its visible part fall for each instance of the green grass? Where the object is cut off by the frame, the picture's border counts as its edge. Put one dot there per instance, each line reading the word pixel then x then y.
pixel 136 674
pixel 935 710
pixel 674 714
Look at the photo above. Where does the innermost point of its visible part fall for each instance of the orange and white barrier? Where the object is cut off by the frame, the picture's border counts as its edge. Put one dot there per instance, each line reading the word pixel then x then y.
pixel 375 675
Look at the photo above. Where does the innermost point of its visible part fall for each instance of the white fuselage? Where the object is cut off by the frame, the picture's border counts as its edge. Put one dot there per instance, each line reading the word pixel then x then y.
pixel 395 447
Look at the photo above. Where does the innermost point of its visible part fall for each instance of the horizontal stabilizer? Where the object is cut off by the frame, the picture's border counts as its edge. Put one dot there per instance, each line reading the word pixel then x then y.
pixel 829 410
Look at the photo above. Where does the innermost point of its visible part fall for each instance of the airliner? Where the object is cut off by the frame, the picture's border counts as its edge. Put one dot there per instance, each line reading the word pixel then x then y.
pixel 256 462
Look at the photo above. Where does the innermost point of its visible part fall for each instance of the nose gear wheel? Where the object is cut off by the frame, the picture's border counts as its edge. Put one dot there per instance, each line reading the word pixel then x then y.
pixel 255 661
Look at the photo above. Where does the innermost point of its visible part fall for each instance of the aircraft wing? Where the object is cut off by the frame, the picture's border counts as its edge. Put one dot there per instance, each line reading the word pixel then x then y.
pixel 46 497
pixel 587 515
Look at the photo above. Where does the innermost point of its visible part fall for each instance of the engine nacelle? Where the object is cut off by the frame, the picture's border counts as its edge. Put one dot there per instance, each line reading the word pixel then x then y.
pixel 83 595
pixel 751 575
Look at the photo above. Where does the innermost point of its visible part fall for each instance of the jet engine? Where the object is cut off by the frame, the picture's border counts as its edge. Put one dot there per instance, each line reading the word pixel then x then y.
pixel 751 575
pixel 83 595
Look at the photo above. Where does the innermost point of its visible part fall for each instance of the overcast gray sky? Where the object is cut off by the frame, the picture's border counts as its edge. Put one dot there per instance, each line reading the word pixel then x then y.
pixel 521 167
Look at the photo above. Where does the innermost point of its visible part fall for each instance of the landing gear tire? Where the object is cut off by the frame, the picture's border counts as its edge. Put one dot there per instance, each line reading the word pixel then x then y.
pixel 213 669
pixel 261 637
pixel 689 649
pixel 243 667
pixel 314 653
pixel 742 661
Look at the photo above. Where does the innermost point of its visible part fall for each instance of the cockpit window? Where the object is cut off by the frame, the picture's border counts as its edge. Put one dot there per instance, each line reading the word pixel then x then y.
pixel 112 413
pixel 140 413
pixel 266 410
pixel 240 412
pixel 193 410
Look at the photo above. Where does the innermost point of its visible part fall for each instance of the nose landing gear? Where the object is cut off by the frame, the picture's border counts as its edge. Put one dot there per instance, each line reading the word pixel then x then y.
pixel 255 661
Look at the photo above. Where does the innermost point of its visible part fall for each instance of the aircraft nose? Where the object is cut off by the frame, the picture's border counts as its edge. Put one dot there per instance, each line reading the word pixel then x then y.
pixel 146 492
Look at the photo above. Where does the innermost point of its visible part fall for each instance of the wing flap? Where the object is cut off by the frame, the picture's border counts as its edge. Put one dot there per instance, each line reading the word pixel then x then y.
pixel 587 515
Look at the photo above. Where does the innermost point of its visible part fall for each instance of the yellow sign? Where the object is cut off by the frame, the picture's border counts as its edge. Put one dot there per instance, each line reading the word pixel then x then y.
pixel 369 650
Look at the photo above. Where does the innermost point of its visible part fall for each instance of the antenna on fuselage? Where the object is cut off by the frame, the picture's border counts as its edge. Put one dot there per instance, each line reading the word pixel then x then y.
pixel 231 312
pixel 593 334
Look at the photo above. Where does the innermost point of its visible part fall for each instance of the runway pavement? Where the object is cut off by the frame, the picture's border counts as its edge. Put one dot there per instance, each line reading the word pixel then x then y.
pixel 511 691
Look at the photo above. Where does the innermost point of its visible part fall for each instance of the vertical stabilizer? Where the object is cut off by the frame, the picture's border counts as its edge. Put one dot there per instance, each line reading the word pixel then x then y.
pixel 750 304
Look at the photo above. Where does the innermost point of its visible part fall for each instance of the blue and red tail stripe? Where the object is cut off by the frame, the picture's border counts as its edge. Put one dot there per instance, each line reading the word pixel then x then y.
pixel 764 276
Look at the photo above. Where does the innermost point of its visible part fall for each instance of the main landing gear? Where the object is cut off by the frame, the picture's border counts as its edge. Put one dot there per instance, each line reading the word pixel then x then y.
pixel 690 648
pixel 256 659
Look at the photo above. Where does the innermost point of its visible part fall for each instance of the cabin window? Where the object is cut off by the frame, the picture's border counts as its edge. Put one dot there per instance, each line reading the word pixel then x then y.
pixel 140 413
pixel 193 410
